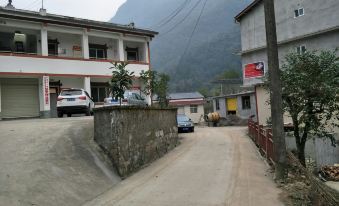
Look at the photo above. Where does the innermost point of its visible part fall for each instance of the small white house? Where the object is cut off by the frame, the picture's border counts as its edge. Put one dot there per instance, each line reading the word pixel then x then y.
pixel 190 104
pixel 242 105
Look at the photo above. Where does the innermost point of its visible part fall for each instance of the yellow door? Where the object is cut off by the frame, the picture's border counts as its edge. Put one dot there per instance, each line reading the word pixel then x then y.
pixel 232 105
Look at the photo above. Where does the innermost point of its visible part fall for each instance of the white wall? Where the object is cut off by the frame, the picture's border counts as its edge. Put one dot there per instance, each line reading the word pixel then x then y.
pixel 264 109
pixel 222 107
pixel 60 66
pixel 195 117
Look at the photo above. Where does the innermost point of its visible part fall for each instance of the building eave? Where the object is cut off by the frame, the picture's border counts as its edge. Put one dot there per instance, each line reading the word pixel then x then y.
pixel 234 95
pixel 73 22
pixel 246 10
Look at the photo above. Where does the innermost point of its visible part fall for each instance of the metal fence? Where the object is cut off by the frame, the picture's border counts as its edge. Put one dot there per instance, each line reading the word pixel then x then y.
pixel 262 137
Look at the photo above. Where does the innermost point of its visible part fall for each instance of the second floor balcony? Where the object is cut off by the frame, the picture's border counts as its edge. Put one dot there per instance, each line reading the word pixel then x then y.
pixel 81 45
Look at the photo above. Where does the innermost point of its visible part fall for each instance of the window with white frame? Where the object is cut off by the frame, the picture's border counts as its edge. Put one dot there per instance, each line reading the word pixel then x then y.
pixel 301 49
pixel 299 12
pixel 194 109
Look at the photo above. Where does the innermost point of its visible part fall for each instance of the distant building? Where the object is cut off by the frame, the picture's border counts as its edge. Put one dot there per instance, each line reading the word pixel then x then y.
pixel 42 53
pixel 242 105
pixel 301 26
pixel 190 104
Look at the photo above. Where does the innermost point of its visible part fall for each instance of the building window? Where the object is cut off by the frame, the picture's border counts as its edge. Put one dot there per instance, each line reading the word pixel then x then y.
pixel 97 51
pixel 132 54
pixel 301 49
pixel 53 47
pixel 217 104
pixel 299 12
pixel 99 93
pixel 246 102
pixel 194 108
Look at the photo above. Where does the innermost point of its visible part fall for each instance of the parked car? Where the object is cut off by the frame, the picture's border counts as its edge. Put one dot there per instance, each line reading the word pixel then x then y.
pixel 74 101
pixel 185 124
pixel 130 98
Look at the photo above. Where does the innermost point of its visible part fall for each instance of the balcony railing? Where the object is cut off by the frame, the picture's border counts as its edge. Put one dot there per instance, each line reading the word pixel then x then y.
pixel 36 55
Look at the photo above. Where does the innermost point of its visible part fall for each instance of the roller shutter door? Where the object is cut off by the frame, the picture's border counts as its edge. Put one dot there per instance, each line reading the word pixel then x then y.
pixel 19 98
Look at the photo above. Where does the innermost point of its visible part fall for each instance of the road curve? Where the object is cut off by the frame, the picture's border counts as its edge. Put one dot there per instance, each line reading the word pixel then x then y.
pixel 212 167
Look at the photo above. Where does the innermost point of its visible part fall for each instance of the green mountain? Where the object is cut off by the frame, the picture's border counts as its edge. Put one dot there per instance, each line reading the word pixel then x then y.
pixel 191 62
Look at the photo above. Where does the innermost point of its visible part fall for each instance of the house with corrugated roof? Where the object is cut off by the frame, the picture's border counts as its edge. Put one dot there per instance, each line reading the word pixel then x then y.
pixel 191 104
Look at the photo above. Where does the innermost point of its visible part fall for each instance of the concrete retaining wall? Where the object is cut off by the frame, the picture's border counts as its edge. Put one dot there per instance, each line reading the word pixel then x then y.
pixel 133 137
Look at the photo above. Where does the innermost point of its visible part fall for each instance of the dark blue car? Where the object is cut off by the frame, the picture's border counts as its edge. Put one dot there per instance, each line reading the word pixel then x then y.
pixel 185 124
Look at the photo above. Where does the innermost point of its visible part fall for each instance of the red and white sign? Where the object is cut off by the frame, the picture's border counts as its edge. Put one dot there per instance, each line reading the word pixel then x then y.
pixel 254 70
pixel 46 90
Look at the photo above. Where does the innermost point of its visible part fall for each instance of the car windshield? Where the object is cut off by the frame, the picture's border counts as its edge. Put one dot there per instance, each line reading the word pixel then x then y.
pixel 71 92
pixel 183 119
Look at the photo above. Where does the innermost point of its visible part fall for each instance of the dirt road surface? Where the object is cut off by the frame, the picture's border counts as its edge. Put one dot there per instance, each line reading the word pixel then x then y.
pixel 212 167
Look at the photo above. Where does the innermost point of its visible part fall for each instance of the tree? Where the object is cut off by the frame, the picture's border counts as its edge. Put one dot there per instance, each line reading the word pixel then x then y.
pixel 121 80
pixel 162 89
pixel 149 79
pixel 310 84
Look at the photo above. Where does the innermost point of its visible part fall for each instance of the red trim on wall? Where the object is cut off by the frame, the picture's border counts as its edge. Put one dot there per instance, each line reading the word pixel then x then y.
pixel 56 75
pixel 67 58
pixel 53 75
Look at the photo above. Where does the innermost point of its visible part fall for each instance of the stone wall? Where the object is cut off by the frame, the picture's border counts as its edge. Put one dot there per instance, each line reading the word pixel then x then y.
pixel 133 137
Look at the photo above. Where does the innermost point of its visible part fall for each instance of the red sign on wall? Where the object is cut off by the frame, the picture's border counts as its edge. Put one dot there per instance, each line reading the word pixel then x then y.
pixel 46 89
pixel 254 70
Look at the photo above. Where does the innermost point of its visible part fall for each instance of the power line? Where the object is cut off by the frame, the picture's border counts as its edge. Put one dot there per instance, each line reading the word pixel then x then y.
pixel 192 34
pixel 171 16
pixel 188 14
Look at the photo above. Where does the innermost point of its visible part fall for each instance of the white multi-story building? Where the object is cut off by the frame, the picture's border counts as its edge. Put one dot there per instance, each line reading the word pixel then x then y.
pixel 301 25
pixel 41 54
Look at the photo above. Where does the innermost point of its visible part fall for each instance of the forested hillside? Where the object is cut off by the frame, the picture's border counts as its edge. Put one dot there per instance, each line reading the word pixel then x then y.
pixel 198 38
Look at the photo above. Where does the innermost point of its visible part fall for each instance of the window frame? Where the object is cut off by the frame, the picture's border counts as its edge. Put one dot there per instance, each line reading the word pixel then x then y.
pixel 97 96
pixel 193 109
pixel 132 50
pixel 298 11
pixel 96 48
pixel 299 49
pixel 55 43
pixel 245 99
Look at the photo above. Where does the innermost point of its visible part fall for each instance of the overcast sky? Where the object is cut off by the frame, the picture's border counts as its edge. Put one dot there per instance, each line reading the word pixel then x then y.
pixel 102 10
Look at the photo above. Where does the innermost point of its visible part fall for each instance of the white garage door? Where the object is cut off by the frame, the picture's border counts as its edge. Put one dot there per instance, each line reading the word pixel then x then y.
pixel 19 98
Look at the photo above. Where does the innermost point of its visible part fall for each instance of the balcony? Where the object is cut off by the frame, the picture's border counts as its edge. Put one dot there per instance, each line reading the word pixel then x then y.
pixel 17 41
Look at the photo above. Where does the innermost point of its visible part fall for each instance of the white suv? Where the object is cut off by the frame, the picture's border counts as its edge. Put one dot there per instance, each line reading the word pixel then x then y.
pixel 74 101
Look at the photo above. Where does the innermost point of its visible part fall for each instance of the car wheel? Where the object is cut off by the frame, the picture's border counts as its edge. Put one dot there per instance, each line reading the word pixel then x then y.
pixel 88 111
pixel 60 114
pixel 69 115
pixel 192 130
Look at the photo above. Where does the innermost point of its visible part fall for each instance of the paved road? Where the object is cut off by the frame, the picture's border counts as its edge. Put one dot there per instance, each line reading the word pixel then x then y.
pixel 50 162
pixel 212 167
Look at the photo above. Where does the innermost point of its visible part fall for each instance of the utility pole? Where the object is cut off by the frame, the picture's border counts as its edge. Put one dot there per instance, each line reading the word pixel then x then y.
pixel 276 92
